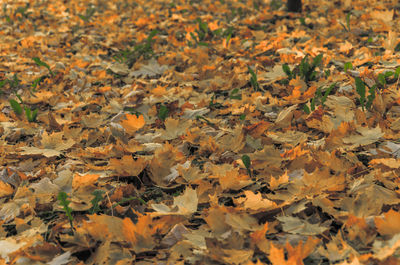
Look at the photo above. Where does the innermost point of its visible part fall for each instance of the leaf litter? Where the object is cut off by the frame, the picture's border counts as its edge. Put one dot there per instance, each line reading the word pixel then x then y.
pixel 211 132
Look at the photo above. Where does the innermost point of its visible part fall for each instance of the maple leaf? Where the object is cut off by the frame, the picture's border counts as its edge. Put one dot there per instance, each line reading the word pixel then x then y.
pixel 258 238
pixel 51 145
pixel 132 123
pixel 5 189
pixel 139 235
pixel 365 136
pixel 275 182
pixel 174 128
pixel 296 225
pixel 127 166
pixel 151 70
pixel 295 254
pixel 277 256
pixel 255 203
pixel 186 204
pixel 389 224
pixel 84 180
pixel 234 180
pixel 163 161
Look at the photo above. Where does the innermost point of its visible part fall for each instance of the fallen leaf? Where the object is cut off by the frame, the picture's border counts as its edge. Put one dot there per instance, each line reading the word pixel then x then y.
pixel 132 123
pixel 389 224
pixel 83 180
pixel 152 69
pixel 295 225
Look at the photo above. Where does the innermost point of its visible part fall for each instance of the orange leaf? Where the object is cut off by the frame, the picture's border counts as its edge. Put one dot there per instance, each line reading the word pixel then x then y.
pixel 104 89
pixel 389 162
pixel 302 250
pixel 233 180
pixel 126 166
pixel 390 224
pixel 159 91
pixel 277 256
pixel 258 238
pixel 213 25
pixel 256 202
pixel 5 189
pixel 83 180
pixel 140 235
pixel 295 254
pixel 80 63
pixel 275 182
pixel 133 123
pixel 129 230
pixel 259 235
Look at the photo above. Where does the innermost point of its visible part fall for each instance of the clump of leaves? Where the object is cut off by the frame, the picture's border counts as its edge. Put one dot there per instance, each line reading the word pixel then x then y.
pixel 227 34
pixel 253 79
pixel 21 13
pixel 7 17
pixel 19 107
pixel 13 83
pixel 365 101
pixel 224 33
pixel 144 50
pixel 40 79
pixel 202 33
pixel 200 117
pixel 64 202
pixel 30 114
pixel 41 63
pixel 124 200
pixel 98 197
pixel 319 98
pixel 36 82
pixel 306 69
pixel 388 77
pixel 88 13
pixel 235 94
pixel 275 4
pixel 213 104
pixel 347 26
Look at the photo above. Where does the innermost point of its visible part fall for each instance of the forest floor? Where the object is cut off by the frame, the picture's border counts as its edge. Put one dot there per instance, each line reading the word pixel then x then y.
pixel 199 132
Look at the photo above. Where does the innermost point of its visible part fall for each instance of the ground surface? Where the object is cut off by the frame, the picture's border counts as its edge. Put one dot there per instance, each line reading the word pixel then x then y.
pixel 199 132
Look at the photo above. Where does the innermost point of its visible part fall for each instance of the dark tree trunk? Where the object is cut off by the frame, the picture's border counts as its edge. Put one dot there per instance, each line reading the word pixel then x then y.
pixel 294 5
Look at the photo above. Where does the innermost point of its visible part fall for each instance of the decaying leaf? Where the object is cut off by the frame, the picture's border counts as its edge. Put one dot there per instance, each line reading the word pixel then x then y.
pixel 295 225
pixel 152 69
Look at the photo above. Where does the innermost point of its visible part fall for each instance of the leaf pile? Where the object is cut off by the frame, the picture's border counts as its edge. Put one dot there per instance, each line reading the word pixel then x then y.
pixel 199 132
